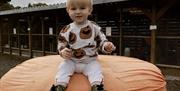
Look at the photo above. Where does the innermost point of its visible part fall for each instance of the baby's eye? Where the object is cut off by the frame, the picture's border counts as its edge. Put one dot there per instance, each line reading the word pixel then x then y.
pixel 82 7
pixel 73 8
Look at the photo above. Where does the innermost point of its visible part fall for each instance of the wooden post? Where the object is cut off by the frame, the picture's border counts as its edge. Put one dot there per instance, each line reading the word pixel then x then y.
pixel 56 19
pixel 154 16
pixel 153 35
pixel 1 23
pixel 120 28
pixel 1 34
pixel 9 35
pixel 57 32
pixel 29 33
pixel 42 30
pixel 18 34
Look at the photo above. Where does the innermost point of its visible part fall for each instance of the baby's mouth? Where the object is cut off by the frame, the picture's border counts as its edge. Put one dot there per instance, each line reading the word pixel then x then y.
pixel 78 16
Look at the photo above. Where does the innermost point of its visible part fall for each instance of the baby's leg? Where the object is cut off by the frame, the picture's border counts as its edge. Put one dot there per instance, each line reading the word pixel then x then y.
pixel 65 70
pixel 93 72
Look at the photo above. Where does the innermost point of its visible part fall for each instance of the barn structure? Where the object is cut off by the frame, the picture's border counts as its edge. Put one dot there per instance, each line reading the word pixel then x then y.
pixel 145 29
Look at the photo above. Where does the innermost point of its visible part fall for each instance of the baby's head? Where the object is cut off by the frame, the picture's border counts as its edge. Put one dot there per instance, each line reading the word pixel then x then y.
pixel 71 3
pixel 79 10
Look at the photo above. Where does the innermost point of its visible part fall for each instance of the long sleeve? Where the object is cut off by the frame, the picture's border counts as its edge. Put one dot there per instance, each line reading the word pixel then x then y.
pixel 101 39
pixel 62 39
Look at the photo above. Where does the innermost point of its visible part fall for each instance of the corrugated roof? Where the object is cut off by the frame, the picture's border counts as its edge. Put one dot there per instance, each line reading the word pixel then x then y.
pixel 49 7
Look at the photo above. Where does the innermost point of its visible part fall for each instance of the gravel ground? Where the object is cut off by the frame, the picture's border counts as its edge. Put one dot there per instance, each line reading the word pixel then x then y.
pixel 173 83
pixel 7 62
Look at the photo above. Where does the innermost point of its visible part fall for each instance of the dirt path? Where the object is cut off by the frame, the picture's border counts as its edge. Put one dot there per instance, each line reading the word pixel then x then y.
pixel 9 61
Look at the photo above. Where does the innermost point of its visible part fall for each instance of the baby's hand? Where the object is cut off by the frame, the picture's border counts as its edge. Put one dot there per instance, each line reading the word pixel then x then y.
pixel 109 47
pixel 66 53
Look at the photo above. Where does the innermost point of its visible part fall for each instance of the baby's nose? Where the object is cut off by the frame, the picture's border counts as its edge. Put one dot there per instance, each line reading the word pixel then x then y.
pixel 78 11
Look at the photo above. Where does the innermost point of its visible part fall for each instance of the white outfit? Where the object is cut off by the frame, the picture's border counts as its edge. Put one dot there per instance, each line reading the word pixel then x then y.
pixel 84 61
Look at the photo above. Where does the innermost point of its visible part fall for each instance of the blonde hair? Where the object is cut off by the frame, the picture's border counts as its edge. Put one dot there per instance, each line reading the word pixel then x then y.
pixel 86 2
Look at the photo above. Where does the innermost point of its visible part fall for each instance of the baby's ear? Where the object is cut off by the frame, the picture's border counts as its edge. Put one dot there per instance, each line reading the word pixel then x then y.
pixel 67 10
pixel 90 10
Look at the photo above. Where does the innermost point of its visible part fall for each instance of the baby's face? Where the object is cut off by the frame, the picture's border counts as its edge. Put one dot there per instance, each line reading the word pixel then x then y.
pixel 79 12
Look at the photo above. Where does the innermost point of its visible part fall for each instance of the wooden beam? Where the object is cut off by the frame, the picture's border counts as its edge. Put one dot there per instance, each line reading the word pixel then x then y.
pixel 30 36
pixel 147 13
pixel 2 31
pixel 18 34
pixel 165 8
pixel 9 34
pixel 120 28
pixel 161 12
pixel 153 36
pixel 154 16
pixel 42 30
pixel 56 32
pixel 1 34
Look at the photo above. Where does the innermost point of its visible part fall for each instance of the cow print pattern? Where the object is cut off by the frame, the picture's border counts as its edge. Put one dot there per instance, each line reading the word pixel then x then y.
pixel 79 53
pixel 62 39
pixel 72 38
pixel 86 32
pixel 65 29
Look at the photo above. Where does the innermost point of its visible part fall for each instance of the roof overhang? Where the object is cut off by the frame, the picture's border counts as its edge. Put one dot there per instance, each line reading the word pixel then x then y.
pixel 49 7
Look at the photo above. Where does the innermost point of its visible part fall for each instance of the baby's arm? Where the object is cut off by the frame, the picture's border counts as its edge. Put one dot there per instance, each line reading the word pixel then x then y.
pixel 66 53
pixel 63 50
pixel 109 47
pixel 105 45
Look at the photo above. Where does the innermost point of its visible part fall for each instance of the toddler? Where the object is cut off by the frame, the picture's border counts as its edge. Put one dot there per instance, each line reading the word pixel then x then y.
pixel 78 44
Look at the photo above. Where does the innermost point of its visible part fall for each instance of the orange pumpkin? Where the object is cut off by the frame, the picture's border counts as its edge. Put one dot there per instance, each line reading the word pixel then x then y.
pixel 121 74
